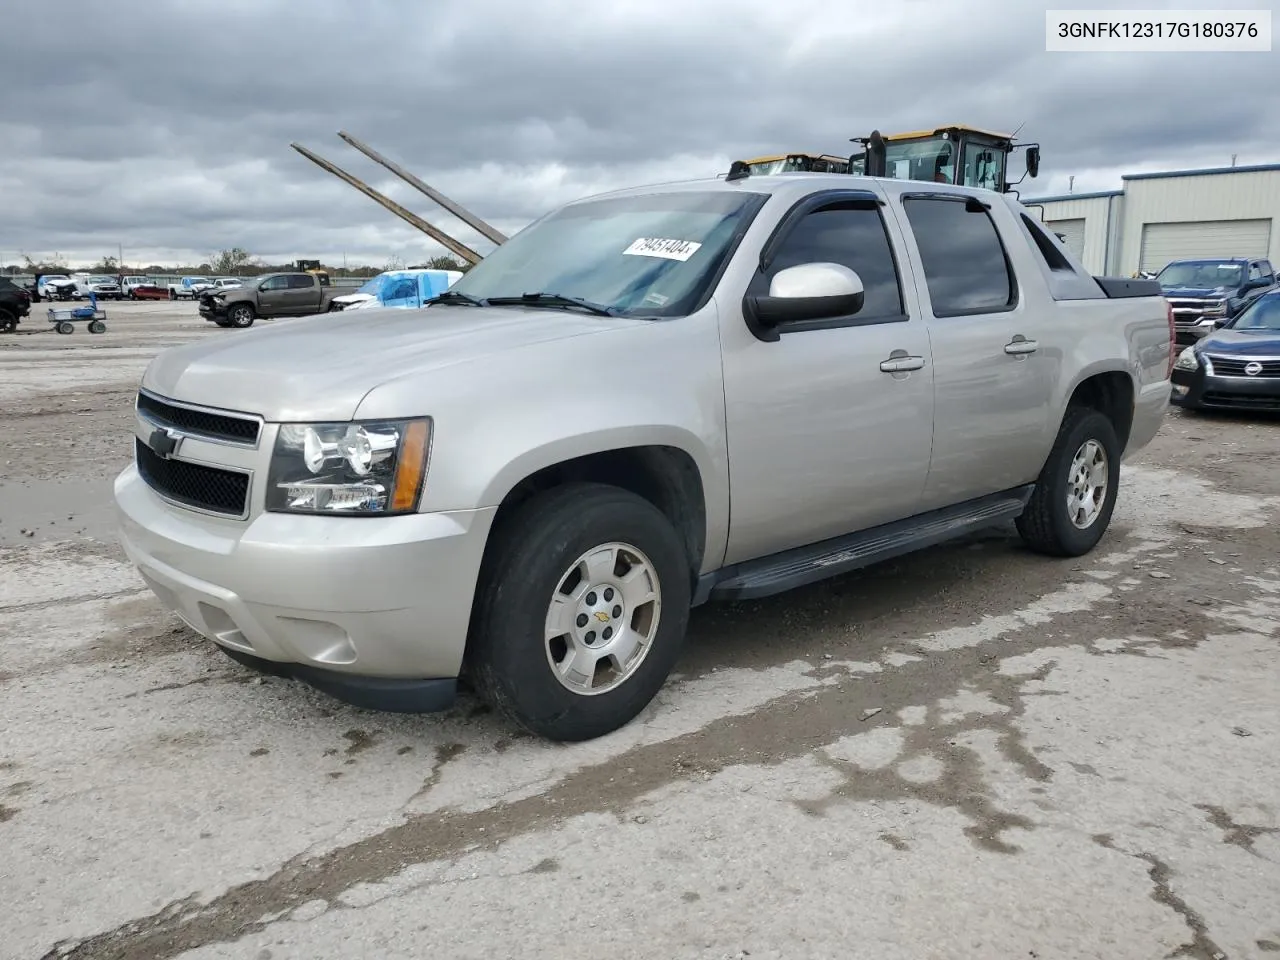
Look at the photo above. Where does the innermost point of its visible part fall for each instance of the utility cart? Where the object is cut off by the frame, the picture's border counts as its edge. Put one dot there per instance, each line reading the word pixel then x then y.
pixel 64 319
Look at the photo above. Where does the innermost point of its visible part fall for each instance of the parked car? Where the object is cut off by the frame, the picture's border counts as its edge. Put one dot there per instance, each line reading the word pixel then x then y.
pixel 127 284
pixel 1237 366
pixel 149 291
pixel 188 288
pixel 222 283
pixel 1205 291
pixel 399 288
pixel 103 288
pixel 270 296
pixel 15 303
pixel 56 286
pixel 533 487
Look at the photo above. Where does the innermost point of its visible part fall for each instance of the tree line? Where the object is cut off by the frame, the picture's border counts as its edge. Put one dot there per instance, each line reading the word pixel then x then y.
pixel 233 262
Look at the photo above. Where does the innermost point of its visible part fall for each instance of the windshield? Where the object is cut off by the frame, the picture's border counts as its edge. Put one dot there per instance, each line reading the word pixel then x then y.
pixel 1263 314
pixel 101 280
pixel 372 285
pixel 1201 273
pixel 651 255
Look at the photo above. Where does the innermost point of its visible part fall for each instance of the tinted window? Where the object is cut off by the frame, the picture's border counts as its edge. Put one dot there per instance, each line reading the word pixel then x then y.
pixel 849 234
pixel 301 282
pixel 964 261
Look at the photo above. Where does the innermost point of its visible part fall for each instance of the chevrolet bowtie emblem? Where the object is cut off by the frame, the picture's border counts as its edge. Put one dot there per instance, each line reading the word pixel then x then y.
pixel 164 443
pixel 602 616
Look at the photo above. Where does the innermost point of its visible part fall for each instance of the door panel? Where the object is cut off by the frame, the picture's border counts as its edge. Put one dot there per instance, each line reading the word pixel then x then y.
pixel 304 295
pixel 994 365
pixel 822 440
pixel 273 297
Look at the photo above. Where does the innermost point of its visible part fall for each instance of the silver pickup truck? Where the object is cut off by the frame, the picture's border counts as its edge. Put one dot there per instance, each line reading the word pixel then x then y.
pixel 645 400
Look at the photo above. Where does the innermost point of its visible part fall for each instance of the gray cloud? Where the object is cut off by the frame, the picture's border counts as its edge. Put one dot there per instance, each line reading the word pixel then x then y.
pixel 165 125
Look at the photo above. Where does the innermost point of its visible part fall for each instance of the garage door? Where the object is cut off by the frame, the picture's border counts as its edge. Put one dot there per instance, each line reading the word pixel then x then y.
pixel 1073 231
pixel 1162 242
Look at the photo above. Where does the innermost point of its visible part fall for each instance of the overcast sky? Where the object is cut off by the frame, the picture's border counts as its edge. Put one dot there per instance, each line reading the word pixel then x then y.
pixel 164 125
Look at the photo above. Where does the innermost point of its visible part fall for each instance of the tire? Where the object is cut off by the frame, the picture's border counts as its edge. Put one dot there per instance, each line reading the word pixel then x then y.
pixel 512 663
pixel 8 322
pixel 173 295
pixel 1047 524
pixel 240 315
pixel 97 326
pixel 66 327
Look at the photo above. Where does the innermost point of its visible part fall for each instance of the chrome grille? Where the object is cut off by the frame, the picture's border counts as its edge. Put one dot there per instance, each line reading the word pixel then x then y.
pixel 1235 366
pixel 240 429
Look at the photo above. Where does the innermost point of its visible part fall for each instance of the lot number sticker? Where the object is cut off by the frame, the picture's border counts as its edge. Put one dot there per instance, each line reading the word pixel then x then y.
pixel 667 249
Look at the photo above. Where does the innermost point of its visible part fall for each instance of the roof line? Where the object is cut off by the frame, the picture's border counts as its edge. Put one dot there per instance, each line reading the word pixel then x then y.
pixel 1075 196
pixel 1206 171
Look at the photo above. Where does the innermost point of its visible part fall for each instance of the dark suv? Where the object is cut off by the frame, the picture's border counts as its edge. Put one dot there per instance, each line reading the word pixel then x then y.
pixel 1206 293
pixel 15 303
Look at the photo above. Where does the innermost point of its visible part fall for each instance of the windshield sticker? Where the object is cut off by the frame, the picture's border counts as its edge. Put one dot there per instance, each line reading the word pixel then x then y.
pixel 666 249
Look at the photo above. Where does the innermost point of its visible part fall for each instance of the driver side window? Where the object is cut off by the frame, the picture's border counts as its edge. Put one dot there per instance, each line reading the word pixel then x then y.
pixel 276 283
pixel 850 234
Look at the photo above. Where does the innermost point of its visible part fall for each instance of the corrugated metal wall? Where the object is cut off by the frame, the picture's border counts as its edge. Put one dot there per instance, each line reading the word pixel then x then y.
pixel 1248 195
pixel 1093 211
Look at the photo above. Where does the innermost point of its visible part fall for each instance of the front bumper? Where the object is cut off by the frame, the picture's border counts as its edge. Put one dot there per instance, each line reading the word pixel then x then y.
pixel 372 610
pixel 213 310
pixel 1198 390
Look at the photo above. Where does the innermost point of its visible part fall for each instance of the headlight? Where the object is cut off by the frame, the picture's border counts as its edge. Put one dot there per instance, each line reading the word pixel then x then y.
pixel 374 468
pixel 1187 360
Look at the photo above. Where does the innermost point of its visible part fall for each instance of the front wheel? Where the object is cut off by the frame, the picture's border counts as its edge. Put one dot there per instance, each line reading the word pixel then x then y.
pixel 241 315
pixel 1076 492
pixel 581 611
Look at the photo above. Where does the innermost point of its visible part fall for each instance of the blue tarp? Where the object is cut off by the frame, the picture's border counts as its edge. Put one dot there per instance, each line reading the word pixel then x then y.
pixel 408 288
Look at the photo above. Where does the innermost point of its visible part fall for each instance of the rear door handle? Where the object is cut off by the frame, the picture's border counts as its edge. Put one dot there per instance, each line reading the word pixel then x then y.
pixel 902 364
pixel 1020 345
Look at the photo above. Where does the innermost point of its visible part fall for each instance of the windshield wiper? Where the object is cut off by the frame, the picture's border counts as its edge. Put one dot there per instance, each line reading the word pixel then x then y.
pixel 454 296
pixel 556 300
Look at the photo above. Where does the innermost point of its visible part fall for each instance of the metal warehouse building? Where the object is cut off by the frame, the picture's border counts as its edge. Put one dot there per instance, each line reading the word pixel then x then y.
pixel 1158 217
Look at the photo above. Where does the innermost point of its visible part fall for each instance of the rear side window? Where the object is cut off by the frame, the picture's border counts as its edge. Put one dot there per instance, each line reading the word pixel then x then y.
pixel 964 261
pixel 301 282
pixel 853 235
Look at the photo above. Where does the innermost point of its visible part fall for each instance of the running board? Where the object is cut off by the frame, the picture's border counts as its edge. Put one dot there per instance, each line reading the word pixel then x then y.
pixel 803 565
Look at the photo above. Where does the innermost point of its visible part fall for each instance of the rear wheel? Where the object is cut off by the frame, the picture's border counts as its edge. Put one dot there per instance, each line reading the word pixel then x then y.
pixel 1076 491
pixel 240 315
pixel 66 327
pixel 97 326
pixel 581 611
pixel 8 322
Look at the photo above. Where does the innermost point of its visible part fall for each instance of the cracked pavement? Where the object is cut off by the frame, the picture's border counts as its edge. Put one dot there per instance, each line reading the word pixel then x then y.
pixel 973 751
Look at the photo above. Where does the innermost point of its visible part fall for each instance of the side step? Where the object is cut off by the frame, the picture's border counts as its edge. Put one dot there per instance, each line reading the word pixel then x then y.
pixel 784 571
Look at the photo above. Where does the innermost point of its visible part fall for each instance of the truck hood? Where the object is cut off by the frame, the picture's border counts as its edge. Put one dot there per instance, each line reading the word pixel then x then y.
pixel 319 368
pixel 1246 343
pixel 1196 293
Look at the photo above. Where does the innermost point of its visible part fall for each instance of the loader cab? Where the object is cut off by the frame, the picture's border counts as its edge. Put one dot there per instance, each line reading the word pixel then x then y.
pixel 960 155
pixel 797 163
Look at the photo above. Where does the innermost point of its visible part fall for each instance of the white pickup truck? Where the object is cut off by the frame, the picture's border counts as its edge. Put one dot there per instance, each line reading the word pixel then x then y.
pixel 698 391
pixel 188 288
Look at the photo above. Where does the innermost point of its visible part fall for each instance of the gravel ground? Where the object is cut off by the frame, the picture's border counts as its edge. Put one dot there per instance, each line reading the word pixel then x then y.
pixel 972 752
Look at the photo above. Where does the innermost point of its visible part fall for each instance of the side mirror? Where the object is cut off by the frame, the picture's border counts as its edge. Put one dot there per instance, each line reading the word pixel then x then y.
pixel 808 291
pixel 1033 161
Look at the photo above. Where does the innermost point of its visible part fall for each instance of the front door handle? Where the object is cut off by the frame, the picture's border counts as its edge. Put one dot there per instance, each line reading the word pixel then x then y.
pixel 902 364
pixel 1020 345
